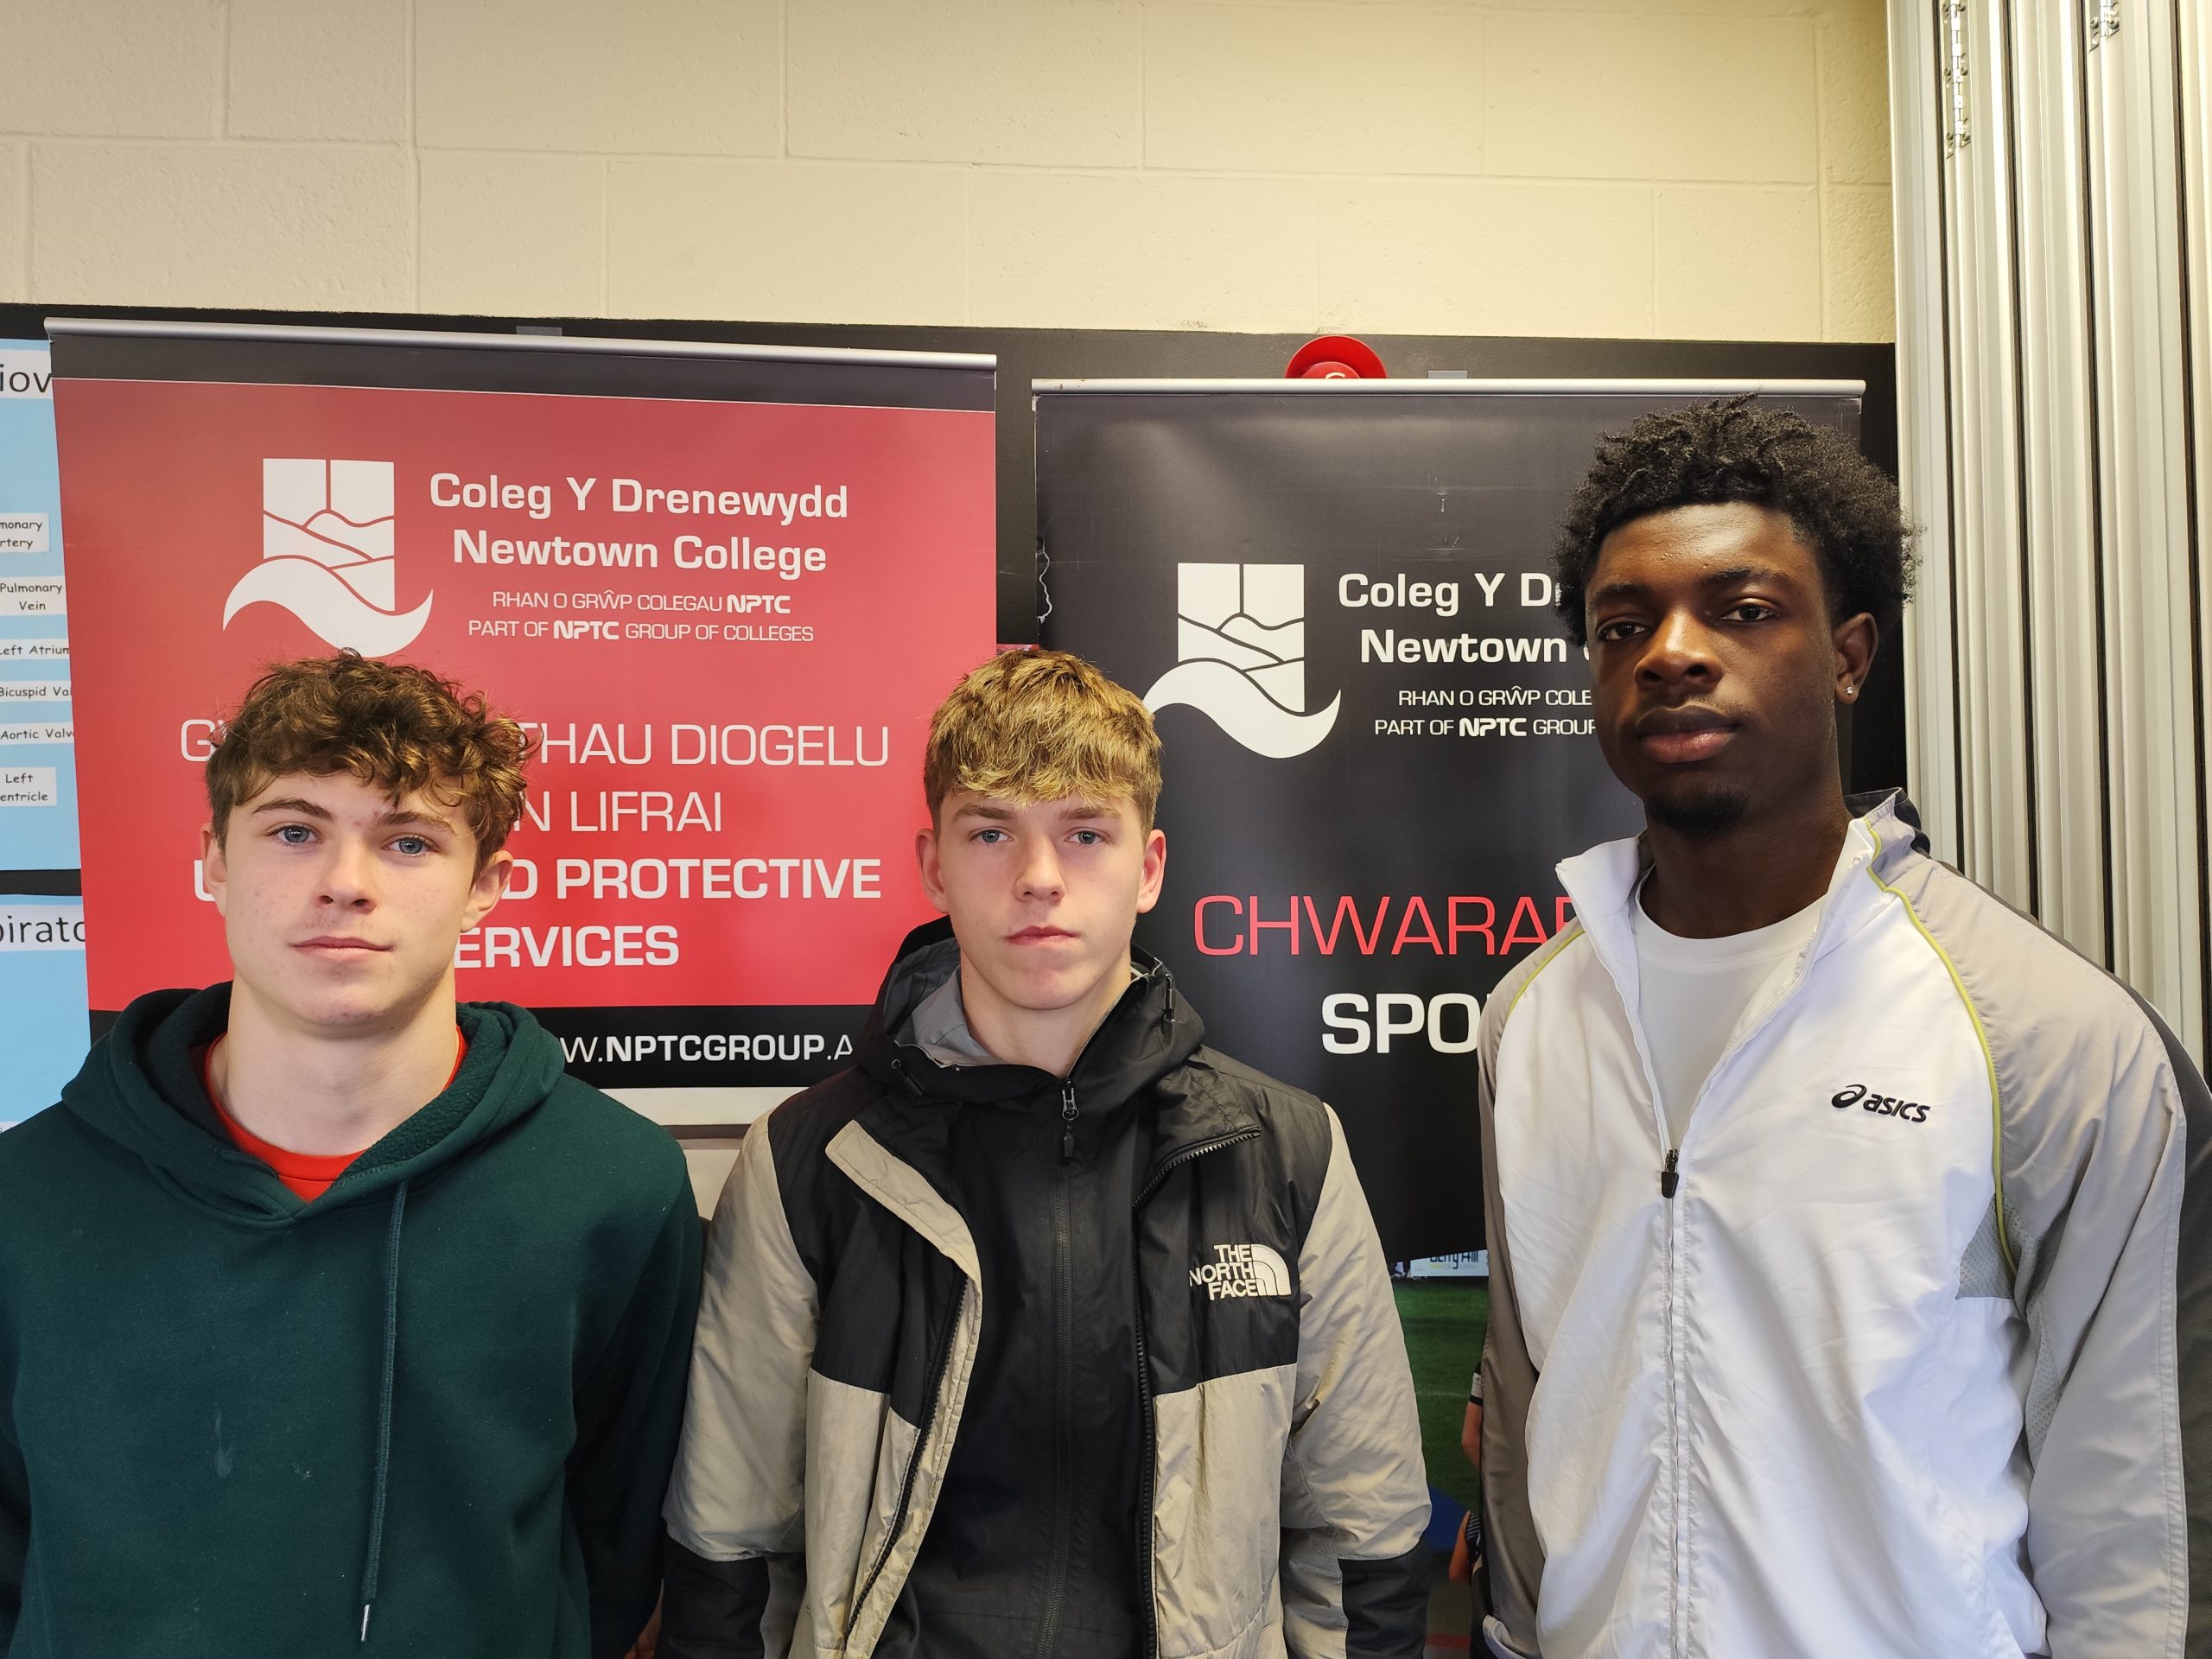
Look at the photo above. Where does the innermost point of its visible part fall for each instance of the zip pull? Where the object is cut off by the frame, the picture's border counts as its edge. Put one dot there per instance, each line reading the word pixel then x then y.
pixel 1067 1120
pixel 1669 1177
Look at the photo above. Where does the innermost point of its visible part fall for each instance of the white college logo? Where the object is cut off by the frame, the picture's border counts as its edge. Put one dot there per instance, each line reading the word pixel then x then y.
pixel 326 555
pixel 1242 1270
pixel 1240 641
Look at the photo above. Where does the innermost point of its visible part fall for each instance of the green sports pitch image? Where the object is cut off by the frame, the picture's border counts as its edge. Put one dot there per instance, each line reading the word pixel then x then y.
pixel 1443 1321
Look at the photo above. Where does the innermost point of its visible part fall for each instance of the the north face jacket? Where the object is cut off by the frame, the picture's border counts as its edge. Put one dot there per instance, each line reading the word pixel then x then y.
pixel 1906 1351
pixel 992 1363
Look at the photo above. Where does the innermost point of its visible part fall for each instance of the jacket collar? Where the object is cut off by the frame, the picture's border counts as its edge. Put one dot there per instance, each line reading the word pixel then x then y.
pixel 1143 1043
pixel 1883 836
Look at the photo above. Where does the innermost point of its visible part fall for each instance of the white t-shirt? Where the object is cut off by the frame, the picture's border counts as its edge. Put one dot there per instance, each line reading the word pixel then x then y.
pixel 1693 991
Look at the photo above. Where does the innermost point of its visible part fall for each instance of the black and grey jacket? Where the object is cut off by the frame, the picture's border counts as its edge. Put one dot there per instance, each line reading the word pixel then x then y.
pixel 991 1361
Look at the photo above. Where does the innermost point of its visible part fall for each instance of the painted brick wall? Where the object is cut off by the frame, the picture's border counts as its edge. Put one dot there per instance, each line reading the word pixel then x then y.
pixel 1687 169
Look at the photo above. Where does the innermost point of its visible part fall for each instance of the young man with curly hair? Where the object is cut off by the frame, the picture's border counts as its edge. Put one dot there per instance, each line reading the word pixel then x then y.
pixel 1851 1237
pixel 333 1317
pixel 1046 1332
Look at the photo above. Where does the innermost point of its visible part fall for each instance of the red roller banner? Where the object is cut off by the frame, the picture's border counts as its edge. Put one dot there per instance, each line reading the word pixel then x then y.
pixel 726 611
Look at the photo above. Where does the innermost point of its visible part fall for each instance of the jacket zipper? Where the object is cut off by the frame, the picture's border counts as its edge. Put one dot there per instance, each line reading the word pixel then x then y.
pixel 1670 1183
pixel 1056 1578
pixel 1144 1380
pixel 913 1458
pixel 1068 1116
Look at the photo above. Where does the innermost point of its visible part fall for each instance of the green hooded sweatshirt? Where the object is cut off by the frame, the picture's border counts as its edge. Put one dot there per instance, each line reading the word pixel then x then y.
pixel 437 1405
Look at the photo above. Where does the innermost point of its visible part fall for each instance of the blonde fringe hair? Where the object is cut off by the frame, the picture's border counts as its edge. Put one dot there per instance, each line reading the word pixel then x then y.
pixel 395 726
pixel 1033 726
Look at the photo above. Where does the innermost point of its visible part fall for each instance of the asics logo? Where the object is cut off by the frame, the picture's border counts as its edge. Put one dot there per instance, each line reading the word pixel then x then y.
pixel 1910 1111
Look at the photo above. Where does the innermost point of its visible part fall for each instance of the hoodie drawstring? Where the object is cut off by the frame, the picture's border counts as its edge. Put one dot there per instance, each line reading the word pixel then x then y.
pixel 384 1408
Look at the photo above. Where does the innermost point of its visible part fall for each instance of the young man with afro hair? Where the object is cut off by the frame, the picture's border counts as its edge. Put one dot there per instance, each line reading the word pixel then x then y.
pixel 1851 1237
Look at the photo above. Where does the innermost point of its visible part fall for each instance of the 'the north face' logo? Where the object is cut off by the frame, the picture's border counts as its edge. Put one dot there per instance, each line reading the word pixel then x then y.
pixel 1242 1270
pixel 1240 646
pixel 326 555
pixel 1910 1111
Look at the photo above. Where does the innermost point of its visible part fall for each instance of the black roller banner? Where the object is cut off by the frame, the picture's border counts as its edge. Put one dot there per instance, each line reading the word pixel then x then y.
pixel 1336 598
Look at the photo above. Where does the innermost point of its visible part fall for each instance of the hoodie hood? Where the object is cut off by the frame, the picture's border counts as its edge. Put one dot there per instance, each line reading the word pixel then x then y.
pixel 140 1088
pixel 1148 1033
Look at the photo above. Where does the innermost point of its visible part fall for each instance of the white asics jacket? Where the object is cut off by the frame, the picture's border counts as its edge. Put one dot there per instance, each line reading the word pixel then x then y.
pixel 1906 1351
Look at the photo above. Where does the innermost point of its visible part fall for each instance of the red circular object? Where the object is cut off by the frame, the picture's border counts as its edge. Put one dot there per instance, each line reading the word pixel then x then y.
pixel 1335 357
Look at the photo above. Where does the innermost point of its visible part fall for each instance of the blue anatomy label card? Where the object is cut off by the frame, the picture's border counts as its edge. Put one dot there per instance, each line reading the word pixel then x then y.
pixel 43 1029
pixel 38 779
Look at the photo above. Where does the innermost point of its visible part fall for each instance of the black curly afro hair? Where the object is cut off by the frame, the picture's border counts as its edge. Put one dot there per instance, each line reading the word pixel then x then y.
pixel 1735 449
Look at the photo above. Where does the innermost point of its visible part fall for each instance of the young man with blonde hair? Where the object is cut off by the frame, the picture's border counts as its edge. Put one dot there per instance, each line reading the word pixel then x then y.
pixel 1045 1330
pixel 333 1316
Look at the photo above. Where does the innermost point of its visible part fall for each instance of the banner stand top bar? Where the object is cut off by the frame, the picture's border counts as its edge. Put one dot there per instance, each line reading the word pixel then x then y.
pixel 291 334
pixel 1461 388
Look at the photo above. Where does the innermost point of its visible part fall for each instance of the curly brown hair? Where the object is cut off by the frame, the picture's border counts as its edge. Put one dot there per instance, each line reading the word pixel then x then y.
pixel 1736 449
pixel 392 725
